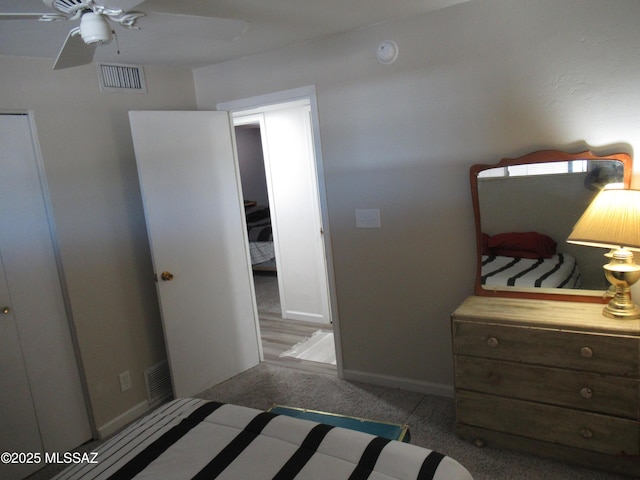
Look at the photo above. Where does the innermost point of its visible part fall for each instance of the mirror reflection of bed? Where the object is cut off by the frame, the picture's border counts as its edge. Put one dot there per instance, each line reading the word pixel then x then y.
pixel 525 211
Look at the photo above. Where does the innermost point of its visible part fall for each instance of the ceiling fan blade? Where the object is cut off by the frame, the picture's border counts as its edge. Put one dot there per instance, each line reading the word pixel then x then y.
pixel 125 5
pixel 22 16
pixel 74 52
pixel 193 25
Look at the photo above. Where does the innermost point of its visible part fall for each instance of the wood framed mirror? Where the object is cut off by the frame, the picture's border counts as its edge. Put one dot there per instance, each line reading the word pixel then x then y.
pixel 525 208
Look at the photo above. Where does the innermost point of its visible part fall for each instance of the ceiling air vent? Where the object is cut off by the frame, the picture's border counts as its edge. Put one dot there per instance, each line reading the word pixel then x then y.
pixel 121 78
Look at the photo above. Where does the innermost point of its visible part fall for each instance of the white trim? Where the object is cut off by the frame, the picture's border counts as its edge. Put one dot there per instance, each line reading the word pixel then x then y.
pixel 430 388
pixel 254 119
pixel 53 234
pixel 246 106
pixel 249 270
pixel 53 237
pixel 123 420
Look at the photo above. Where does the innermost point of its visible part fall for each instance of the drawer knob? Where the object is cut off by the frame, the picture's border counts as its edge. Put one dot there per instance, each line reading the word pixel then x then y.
pixel 493 342
pixel 586 352
pixel 586 433
pixel 586 392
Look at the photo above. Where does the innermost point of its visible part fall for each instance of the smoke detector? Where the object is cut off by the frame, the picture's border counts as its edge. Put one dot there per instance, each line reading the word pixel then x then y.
pixel 387 52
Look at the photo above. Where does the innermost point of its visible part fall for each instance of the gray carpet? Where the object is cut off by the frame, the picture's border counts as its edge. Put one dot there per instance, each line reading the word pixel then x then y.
pixel 430 418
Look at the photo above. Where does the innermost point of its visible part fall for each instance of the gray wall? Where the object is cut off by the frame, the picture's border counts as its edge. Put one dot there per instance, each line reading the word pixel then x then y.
pixel 473 83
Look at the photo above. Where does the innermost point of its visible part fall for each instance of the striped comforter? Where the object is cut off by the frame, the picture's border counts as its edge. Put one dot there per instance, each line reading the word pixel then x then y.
pixel 559 271
pixel 198 439
pixel 260 235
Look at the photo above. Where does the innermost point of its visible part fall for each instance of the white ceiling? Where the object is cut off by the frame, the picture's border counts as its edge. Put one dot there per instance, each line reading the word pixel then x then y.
pixel 272 24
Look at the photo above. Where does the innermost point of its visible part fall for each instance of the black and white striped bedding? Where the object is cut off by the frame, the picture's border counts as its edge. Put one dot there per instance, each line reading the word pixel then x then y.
pixel 559 271
pixel 260 234
pixel 198 439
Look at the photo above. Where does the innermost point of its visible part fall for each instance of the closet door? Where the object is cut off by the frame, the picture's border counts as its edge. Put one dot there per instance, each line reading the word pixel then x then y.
pixel 36 322
pixel 18 423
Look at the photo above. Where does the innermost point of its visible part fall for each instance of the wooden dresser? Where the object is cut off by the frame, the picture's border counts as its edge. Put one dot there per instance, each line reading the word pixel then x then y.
pixel 551 378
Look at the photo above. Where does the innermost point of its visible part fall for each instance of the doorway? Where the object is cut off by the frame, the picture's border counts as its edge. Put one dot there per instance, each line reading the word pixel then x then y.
pixel 208 312
pixel 286 234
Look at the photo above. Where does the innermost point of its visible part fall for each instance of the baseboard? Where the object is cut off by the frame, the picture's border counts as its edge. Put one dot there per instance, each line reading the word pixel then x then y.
pixel 123 420
pixel 430 388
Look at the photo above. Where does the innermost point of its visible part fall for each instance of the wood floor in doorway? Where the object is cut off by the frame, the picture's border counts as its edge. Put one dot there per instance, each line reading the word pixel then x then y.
pixel 279 335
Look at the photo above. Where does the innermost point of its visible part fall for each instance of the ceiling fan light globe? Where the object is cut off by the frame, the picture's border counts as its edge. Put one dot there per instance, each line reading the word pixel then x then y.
pixel 95 29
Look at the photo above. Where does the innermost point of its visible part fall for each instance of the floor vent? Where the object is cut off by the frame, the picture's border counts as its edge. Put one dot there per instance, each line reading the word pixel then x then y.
pixel 121 78
pixel 158 382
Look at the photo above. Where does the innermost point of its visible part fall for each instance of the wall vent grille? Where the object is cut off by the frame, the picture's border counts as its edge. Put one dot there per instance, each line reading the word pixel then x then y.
pixel 121 78
pixel 157 379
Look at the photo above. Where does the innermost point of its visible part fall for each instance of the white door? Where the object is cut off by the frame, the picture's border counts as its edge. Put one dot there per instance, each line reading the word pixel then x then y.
pixel 39 372
pixel 18 423
pixel 195 221
pixel 295 209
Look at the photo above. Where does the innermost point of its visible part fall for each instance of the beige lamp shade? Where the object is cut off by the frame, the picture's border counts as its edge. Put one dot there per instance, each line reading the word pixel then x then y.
pixel 611 220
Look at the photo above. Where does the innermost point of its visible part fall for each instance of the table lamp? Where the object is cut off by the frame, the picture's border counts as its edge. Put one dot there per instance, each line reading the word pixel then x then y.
pixel 612 220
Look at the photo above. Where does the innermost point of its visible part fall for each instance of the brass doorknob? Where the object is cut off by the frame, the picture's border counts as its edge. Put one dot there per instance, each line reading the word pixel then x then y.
pixel 166 276
pixel 6 310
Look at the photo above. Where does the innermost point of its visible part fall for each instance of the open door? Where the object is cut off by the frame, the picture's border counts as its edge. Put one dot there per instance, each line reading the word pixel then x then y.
pixel 195 221
pixel 290 166
pixel 293 189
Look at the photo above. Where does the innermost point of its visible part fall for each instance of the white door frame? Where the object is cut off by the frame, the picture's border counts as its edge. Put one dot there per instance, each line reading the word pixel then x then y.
pixel 53 234
pixel 46 196
pixel 260 103
pixel 60 334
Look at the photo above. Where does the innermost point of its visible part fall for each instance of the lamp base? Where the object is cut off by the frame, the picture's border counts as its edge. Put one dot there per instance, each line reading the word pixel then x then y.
pixel 622 272
pixel 621 308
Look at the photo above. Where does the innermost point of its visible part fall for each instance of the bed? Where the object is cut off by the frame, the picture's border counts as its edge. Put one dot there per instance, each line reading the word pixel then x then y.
pixel 526 259
pixel 196 439
pixel 260 237
pixel 558 271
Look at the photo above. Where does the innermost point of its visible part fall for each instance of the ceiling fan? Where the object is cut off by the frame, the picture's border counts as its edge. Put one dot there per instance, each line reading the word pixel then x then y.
pixel 97 17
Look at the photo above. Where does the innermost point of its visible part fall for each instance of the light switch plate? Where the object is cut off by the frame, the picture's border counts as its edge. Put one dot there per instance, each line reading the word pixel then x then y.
pixel 368 218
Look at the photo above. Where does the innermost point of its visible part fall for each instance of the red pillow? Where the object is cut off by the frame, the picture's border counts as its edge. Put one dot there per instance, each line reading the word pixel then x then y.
pixel 485 245
pixel 523 244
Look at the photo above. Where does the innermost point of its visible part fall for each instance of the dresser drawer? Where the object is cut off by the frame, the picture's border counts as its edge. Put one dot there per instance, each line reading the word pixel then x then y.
pixel 588 431
pixel 615 355
pixel 585 391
